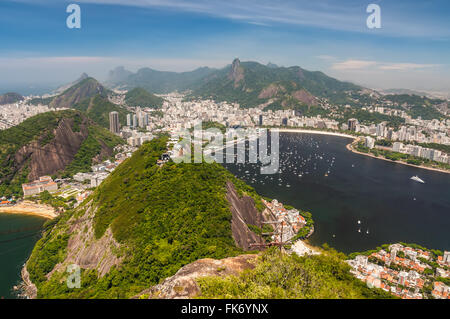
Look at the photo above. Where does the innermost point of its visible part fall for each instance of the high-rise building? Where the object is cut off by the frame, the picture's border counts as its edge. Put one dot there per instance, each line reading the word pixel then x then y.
pixel 129 120
pixel 370 142
pixel 260 120
pixel 397 147
pixel 352 124
pixel 114 126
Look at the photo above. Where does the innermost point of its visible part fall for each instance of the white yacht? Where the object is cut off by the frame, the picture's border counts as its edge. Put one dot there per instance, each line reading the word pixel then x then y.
pixel 417 179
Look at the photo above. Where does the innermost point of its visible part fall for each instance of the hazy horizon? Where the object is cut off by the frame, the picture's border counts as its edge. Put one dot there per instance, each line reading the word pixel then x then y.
pixel 411 50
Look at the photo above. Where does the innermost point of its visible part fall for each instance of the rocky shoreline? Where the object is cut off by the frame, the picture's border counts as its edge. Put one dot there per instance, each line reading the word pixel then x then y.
pixel 26 289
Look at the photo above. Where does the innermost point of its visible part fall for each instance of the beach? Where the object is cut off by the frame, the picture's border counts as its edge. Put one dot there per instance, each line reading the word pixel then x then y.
pixel 289 130
pixel 30 208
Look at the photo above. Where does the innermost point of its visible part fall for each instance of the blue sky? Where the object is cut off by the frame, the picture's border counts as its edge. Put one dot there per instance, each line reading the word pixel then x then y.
pixel 411 50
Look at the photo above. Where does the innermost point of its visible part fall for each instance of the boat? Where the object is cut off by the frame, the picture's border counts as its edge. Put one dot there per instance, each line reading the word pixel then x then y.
pixel 417 179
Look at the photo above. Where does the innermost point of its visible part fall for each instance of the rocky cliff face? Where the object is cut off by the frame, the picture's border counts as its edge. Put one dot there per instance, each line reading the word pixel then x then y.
pixel 54 156
pixel 244 212
pixel 183 284
pixel 86 251
pixel 236 73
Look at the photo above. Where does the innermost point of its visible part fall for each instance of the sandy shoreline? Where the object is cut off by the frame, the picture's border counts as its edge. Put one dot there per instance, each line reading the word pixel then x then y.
pixel 351 149
pixel 30 208
pixel 287 130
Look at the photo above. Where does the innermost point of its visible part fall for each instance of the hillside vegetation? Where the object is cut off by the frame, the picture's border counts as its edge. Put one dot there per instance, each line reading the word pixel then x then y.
pixel 140 97
pixel 282 276
pixel 251 84
pixel 145 222
pixel 86 88
pixel 162 218
pixel 97 108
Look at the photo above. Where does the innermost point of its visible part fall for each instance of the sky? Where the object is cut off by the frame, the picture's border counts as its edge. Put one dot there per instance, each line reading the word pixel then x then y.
pixel 410 50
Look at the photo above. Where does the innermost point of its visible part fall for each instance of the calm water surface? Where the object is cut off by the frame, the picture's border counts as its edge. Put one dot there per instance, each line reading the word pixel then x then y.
pixel 18 234
pixel 389 206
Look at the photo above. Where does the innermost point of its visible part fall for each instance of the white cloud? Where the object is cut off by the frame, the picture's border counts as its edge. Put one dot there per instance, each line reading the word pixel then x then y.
pixel 374 65
pixel 405 66
pixel 353 65
pixel 327 14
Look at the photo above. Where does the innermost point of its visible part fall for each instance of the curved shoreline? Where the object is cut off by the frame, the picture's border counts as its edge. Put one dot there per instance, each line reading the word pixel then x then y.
pixel 351 149
pixel 30 208
pixel 286 130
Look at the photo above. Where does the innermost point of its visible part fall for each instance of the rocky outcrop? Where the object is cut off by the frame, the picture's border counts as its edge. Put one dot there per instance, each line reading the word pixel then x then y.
pixel 183 284
pixel 26 289
pixel 271 91
pixel 54 156
pixel 236 73
pixel 84 250
pixel 59 152
pixel 243 212
pixel 304 97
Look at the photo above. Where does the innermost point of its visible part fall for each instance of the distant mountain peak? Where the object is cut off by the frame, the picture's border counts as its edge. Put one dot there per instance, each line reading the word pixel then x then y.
pixel 84 88
pixel 82 77
pixel 236 73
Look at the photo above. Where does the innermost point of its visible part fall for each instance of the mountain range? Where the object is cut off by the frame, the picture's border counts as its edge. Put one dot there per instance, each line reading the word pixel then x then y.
pixel 248 83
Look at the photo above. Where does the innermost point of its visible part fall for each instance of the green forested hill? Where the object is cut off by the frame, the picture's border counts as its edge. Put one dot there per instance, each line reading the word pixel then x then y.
pixel 163 218
pixel 88 96
pixel 147 222
pixel 97 108
pixel 84 89
pixel 141 97
pixel 38 140
pixel 417 106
